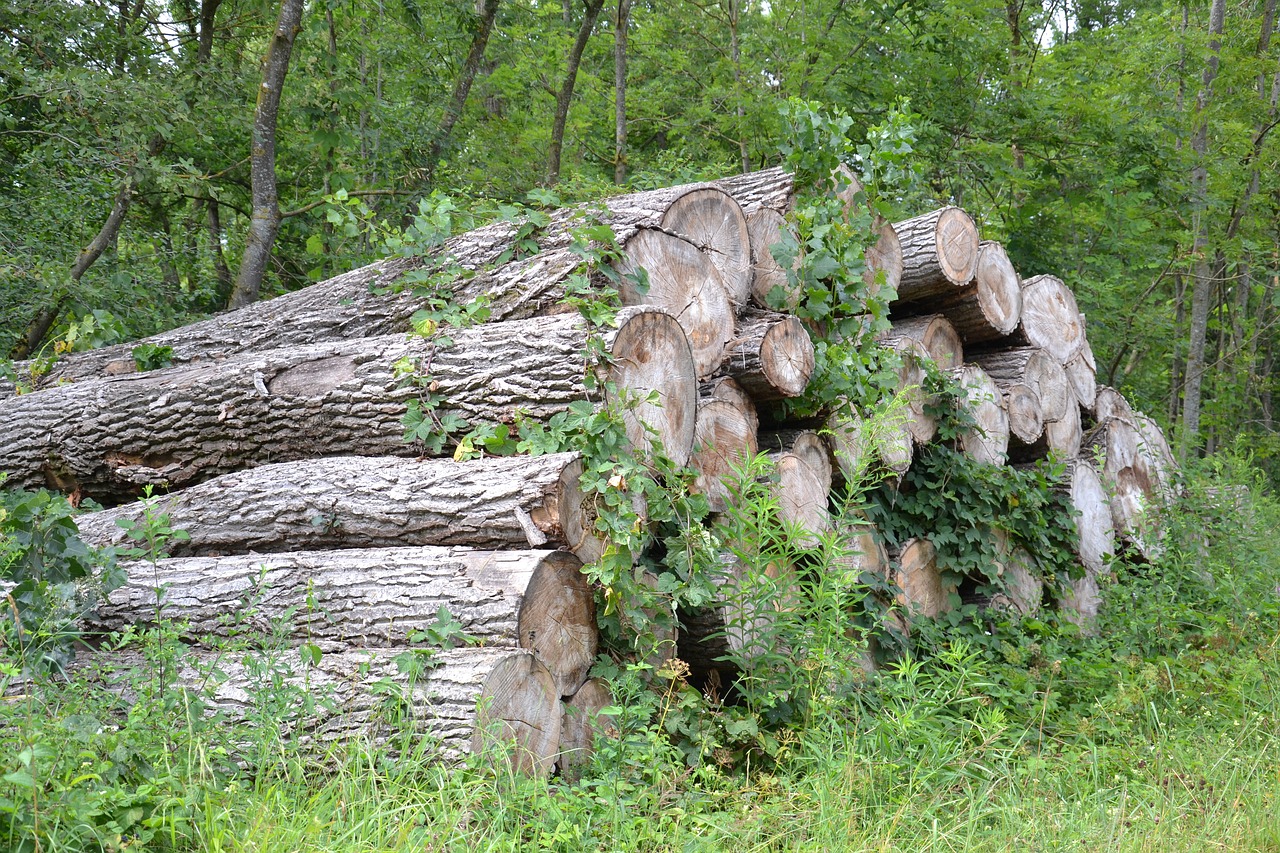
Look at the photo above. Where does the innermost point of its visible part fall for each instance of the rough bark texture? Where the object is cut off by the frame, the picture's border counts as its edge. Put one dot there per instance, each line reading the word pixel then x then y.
pixel 1037 370
pixel 725 440
pixel 534 600
pixel 519 716
pixel 1050 319
pixel 266 201
pixel 935 334
pixel 346 306
pixel 770 356
pixel 923 590
pixel 939 253
pixel 183 425
pixel 369 502
pixel 989 442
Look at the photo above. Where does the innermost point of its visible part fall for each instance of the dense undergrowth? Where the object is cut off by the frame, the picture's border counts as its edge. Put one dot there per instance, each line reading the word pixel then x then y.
pixel 1160 732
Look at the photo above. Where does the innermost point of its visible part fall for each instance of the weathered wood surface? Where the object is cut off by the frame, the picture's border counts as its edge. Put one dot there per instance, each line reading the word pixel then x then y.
pixel 1110 403
pixel 468 700
pixel 1050 319
pixel 939 253
pixel 935 334
pixel 534 600
pixel 1034 368
pixel 372 502
pixel 1095 528
pixel 580 722
pixel 924 591
pixel 911 381
pixel 771 356
pixel 358 303
pixel 802 491
pixel 109 438
pixel 1082 373
pixel 766 228
pixel 989 441
pixel 710 218
pixel 1026 418
pixel 1133 481
pixel 725 440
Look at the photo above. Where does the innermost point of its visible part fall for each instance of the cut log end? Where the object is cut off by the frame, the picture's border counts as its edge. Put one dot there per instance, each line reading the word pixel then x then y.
pixel 518 712
pixel 710 219
pixel 655 369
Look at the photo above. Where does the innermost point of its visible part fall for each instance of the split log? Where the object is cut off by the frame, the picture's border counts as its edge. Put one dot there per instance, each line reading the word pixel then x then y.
pixel 1095 528
pixel 534 600
pixel 766 228
pixel 1050 319
pixel 939 253
pixel 1082 373
pixel 911 380
pixel 1034 368
pixel 935 334
pixel 181 426
pixel 496 702
pixel 724 441
pixel 365 502
pixel 739 625
pixel 580 721
pixel 989 441
pixel 360 303
pixel 1110 403
pixel 924 591
pixel 771 356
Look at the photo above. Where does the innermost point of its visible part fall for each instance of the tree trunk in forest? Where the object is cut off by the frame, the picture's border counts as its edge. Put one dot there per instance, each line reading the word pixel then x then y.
pixel 1203 284
pixel 358 304
pixel 771 356
pixel 183 425
pixel 222 273
pixel 939 253
pixel 487 12
pixel 565 96
pixel 514 502
pixel 466 700
pixel 621 24
pixel 265 221
pixel 534 600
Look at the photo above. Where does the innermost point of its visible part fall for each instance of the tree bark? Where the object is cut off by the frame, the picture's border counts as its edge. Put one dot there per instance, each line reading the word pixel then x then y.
pixel 565 96
pixel 986 309
pixel 1203 284
pixel 935 334
pixel 487 12
pixel 939 253
pixel 373 301
pixel 534 600
pixel 180 426
pixel 265 221
pixel 621 25
pixel 515 502
pixel 466 700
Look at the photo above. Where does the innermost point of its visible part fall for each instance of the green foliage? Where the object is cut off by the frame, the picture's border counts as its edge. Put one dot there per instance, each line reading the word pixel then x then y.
pixel 53 578
pixel 152 356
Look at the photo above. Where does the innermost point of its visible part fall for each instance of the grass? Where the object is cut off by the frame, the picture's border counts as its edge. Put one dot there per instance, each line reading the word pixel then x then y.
pixel 1161 734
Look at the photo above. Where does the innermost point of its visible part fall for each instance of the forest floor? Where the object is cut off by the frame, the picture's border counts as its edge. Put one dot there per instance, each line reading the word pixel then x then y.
pixel 1162 733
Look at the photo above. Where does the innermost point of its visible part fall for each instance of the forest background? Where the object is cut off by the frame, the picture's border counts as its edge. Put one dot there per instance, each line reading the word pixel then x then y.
pixel 1127 146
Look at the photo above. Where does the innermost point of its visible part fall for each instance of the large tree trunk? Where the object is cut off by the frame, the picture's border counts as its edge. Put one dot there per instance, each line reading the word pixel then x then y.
pixel 179 426
pixel 514 502
pixel 565 96
pixel 487 12
pixel 358 304
pixel 466 700
pixel 939 254
pixel 265 222
pixel 534 600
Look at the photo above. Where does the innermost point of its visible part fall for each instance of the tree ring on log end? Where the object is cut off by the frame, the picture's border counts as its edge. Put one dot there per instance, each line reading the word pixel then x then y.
pixel 957 246
pixel 558 620
pixel 653 367
pixel 519 709
pixel 787 356
pixel 712 220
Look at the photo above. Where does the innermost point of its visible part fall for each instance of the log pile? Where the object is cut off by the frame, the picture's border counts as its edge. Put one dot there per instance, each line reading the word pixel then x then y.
pixel 278 436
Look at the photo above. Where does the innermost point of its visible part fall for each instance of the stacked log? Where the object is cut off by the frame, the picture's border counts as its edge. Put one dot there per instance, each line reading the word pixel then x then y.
pixel 279 433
